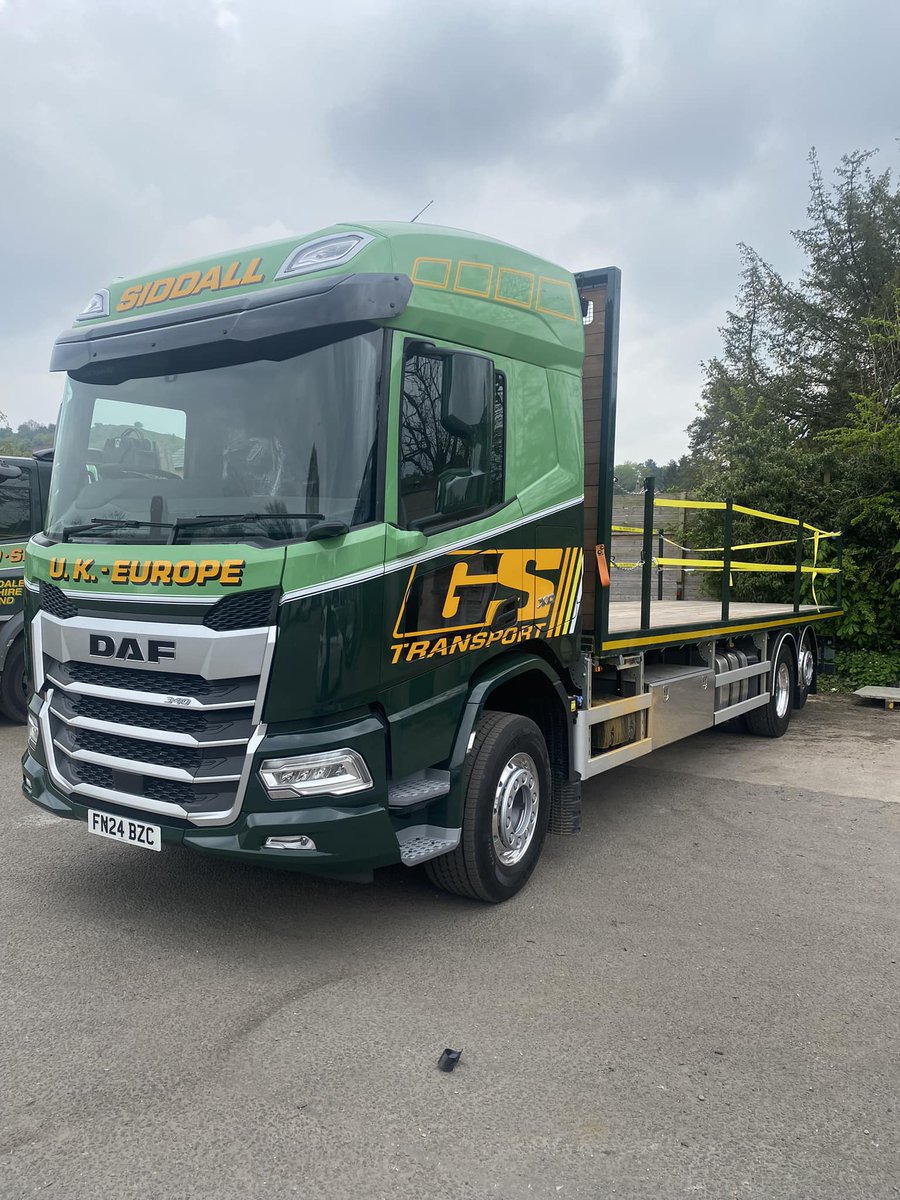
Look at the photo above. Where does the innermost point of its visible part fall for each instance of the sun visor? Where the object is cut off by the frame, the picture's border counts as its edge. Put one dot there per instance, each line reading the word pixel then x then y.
pixel 355 300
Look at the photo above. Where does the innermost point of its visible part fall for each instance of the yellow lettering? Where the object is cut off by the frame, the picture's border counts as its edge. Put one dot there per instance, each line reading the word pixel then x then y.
pixel 139 572
pixel 230 278
pixel 160 290
pixel 57 568
pixel 184 285
pixel 417 650
pixel 142 299
pixel 438 647
pixel 249 274
pixel 458 579
pixel 119 573
pixel 184 572
pixel 129 298
pixel 396 651
pixel 211 281
pixel 478 641
pixel 161 572
pixel 232 572
pixel 208 568
pixel 460 643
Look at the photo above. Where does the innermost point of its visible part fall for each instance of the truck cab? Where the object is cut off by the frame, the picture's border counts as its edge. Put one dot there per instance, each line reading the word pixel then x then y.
pixel 312 504
pixel 24 488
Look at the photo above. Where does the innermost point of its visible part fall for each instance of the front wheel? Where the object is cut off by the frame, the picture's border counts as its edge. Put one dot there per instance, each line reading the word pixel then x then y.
pixel 506 813
pixel 12 683
pixel 773 719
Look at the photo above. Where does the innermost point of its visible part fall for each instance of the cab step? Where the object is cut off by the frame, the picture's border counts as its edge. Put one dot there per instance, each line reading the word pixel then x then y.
pixel 421 788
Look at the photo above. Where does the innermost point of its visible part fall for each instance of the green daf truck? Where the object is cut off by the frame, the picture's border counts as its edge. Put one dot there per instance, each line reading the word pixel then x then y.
pixel 324 577
pixel 24 486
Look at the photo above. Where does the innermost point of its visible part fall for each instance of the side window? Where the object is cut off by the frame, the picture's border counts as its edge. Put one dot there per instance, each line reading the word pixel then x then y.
pixel 15 508
pixel 452 436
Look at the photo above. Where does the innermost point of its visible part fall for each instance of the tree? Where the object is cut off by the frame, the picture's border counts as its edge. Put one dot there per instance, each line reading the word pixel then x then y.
pixel 800 412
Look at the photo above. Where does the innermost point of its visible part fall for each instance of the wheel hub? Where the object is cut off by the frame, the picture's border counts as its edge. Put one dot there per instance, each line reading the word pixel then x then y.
pixel 515 813
pixel 782 688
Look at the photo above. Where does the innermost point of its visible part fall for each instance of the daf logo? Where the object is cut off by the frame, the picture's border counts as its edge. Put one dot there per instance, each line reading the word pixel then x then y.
pixel 129 649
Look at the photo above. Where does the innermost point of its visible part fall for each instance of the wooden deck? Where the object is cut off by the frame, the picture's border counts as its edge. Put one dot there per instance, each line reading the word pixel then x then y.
pixel 698 616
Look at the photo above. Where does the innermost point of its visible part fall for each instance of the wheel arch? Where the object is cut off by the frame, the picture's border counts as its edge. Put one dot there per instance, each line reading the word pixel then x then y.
pixel 528 685
pixel 786 636
pixel 9 632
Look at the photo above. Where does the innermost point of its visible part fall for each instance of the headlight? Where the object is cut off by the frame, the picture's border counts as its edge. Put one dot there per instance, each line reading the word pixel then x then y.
pixel 34 730
pixel 334 772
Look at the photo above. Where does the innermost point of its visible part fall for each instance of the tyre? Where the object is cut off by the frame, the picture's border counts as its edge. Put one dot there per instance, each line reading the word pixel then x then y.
pixel 772 720
pixel 806 671
pixel 12 684
pixel 505 815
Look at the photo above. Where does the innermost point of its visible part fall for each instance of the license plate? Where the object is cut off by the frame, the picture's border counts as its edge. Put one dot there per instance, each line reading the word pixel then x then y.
pixel 124 829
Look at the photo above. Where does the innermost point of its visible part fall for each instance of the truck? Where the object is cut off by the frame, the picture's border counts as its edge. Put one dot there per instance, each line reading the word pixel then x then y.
pixel 325 578
pixel 24 487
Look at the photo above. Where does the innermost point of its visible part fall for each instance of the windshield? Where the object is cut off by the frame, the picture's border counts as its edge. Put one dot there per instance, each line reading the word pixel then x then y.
pixel 262 449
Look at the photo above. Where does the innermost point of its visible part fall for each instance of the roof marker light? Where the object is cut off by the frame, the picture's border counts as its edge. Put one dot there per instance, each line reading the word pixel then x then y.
pixel 331 251
pixel 97 306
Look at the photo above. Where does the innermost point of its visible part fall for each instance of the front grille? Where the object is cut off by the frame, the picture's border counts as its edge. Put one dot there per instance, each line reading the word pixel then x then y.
pixel 157 753
pixel 210 692
pixel 120 712
pixel 213 716
pixel 56 602
pixel 143 681
pixel 167 791
pixel 243 610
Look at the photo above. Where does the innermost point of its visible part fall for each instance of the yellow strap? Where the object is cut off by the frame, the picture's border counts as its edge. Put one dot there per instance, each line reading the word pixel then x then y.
pixel 710 564
pixel 755 512
pixel 690 503
pixel 627 529
pixel 719 549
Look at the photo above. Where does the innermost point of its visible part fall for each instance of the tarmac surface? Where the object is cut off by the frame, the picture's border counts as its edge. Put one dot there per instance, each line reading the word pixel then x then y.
pixel 698 996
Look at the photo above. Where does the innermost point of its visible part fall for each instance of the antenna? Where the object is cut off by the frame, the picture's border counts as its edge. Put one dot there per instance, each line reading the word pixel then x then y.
pixel 421 210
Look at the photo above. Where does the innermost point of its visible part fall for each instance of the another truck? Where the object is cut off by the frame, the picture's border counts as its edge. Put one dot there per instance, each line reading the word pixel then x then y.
pixel 24 485
pixel 324 580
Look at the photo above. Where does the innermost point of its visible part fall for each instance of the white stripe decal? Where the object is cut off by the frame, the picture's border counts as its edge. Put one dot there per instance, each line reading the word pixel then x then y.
pixel 575 610
pixel 427 555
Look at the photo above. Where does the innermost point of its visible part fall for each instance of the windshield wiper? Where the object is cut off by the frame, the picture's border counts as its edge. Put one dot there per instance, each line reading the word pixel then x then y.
pixel 113 523
pixel 231 518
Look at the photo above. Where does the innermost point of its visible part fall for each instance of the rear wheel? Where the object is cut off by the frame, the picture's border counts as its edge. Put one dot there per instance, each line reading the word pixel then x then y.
pixel 507 810
pixel 772 720
pixel 806 671
pixel 12 684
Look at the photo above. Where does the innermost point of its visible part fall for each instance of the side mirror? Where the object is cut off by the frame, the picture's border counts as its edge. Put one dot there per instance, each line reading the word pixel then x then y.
pixel 466 394
pixel 460 491
pixel 9 471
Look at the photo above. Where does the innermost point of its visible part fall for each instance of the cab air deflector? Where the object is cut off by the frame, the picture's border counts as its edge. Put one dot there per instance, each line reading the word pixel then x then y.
pixel 347 300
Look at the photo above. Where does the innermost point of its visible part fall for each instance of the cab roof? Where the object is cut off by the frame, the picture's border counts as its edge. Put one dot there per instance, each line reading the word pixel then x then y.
pixel 466 288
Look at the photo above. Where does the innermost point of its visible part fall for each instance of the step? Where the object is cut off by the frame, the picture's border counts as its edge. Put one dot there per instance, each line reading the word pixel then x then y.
pixel 421 842
pixel 420 788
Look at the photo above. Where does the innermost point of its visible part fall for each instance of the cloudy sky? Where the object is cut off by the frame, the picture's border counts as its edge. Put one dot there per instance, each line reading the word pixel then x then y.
pixel 653 135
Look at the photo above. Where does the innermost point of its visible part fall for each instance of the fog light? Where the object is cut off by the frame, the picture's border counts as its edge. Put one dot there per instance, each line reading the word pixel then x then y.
pixel 297 842
pixel 334 773
pixel 34 730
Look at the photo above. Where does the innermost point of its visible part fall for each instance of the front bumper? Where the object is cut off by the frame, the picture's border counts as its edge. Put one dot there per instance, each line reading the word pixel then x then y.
pixel 350 838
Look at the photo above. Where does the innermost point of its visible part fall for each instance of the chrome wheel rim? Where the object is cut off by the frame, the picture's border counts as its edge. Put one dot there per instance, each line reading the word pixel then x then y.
pixel 782 689
pixel 806 666
pixel 515 813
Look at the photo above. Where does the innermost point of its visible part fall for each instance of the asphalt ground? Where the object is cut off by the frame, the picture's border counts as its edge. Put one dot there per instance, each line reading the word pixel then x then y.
pixel 696 996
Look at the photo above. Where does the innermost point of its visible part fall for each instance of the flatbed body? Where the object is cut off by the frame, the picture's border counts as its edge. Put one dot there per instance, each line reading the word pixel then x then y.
pixel 674 621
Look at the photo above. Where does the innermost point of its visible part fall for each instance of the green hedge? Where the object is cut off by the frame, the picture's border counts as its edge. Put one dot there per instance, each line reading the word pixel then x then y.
pixel 866 668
